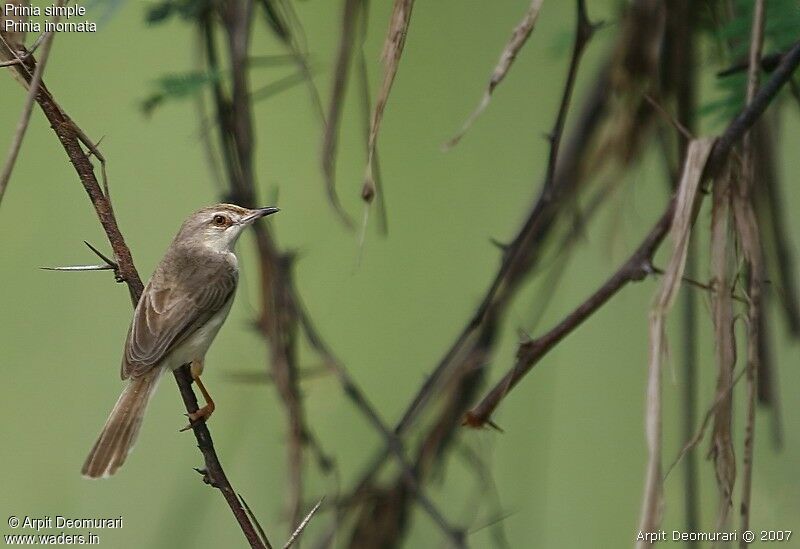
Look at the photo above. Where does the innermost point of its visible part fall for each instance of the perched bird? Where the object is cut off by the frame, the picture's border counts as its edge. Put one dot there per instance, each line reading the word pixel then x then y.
pixel 180 312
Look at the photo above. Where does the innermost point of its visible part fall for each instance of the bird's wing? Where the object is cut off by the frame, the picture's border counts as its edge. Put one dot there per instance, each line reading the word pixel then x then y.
pixel 167 314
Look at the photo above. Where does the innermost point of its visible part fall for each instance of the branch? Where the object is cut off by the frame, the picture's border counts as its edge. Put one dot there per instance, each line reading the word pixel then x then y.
pixel 515 254
pixel 753 111
pixel 393 443
pixel 68 134
pixel 27 109
pixel 638 264
pixel 637 267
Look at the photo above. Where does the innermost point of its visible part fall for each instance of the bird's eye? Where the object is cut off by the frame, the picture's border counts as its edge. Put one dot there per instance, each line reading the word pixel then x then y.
pixel 220 220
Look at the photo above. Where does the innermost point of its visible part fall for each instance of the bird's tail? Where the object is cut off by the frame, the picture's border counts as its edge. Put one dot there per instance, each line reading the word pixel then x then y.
pixel 122 426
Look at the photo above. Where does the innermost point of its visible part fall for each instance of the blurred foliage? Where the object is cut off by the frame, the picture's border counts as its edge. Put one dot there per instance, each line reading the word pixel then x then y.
pixel 732 38
pixel 178 86
pixel 161 12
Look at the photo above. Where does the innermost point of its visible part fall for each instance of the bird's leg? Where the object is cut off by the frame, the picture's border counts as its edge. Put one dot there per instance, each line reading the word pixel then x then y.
pixel 205 412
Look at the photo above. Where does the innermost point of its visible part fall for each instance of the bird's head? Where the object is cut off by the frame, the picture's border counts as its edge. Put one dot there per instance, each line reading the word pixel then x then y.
pixel 219 226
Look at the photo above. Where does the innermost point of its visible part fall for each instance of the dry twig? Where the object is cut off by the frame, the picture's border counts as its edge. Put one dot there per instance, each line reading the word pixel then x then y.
pixel 27 109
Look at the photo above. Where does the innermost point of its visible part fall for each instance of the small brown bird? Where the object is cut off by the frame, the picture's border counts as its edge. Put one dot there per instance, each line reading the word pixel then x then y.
pixel 180 312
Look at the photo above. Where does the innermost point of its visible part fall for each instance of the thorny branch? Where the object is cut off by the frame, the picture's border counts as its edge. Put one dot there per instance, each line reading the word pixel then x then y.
pixel 529 353
pixel 25 117
pixel 68 135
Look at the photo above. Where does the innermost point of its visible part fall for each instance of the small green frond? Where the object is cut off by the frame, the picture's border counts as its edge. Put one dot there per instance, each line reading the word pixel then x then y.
pixel 780 32
pixel 187 9
pixel 177 86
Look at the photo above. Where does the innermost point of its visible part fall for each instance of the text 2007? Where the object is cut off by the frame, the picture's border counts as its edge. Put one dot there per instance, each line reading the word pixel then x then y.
pixel 775 535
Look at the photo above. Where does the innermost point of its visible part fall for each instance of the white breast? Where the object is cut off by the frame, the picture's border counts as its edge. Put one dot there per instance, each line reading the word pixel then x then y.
pixel 195 346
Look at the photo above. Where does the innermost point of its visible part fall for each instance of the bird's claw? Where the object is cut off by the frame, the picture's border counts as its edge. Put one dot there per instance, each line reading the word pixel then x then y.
pixel 203 414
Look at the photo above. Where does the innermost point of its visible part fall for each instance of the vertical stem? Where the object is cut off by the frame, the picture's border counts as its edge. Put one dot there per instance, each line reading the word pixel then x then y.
pixel 689 403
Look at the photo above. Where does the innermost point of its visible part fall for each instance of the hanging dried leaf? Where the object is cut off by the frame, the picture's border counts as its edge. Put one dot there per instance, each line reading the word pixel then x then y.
pixel 518 39
pixel 392 51
pixel 350 15
pixel 725 344
pixel 685 211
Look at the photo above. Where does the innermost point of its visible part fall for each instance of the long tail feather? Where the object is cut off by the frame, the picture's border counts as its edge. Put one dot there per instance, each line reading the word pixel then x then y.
pixel 122 427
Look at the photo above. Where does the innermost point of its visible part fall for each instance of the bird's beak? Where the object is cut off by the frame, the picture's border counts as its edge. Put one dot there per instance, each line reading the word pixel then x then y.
pixel 256 214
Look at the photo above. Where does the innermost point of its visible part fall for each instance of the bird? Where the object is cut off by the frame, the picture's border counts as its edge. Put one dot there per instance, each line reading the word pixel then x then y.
pixel 178 315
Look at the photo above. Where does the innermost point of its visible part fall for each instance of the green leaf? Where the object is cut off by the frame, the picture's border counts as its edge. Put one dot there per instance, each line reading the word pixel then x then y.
pixel 177 86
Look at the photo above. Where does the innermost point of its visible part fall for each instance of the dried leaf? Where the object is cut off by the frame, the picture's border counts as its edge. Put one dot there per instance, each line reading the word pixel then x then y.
pixel 725 345
pixel 685 211
pixel 518 38
pixel 392 51
pixel 350 15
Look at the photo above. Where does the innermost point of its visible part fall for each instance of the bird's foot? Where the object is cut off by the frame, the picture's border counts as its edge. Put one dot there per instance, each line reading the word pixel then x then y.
pixel 203 414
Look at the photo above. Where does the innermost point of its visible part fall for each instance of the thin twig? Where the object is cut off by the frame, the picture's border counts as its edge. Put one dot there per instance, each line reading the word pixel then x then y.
pixel 687 135
pixel 303 524
pixel 699 432
pixel 27 109
pixel 753 111
pixel 392 441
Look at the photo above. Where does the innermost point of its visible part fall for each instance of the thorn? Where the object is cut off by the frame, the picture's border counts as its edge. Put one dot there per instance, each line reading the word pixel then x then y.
pixel 96 146
pixel 500 245
pixel 524 335
pixel 206 477
pixel 112 264
pixel 79 268
pixel 494 426
pixel 100 254
pixel 472 420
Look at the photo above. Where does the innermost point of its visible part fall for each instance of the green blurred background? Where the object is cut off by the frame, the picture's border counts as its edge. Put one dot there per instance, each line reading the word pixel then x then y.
pixel 570 465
